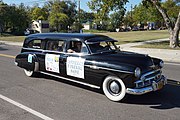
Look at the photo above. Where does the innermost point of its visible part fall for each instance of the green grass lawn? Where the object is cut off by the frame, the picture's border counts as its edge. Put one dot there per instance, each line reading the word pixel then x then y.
pixel 158 45
pixel 122 37
pixel 137 36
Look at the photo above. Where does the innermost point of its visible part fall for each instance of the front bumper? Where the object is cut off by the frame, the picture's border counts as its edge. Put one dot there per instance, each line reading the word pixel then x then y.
pixel 155 86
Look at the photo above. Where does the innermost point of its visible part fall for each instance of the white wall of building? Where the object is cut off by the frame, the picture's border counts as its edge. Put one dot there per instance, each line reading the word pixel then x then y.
pixel 40 26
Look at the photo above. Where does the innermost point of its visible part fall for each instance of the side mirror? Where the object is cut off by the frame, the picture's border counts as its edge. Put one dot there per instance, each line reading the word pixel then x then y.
pixel 119 48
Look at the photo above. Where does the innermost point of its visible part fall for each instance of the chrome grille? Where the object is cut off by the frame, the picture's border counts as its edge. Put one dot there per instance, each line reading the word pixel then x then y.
pixel 147 78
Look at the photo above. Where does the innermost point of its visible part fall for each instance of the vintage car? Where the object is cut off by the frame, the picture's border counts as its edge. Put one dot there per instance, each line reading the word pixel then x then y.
pixel 91 60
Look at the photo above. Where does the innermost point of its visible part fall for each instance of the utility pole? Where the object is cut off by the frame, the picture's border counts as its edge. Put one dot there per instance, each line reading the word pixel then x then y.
pixel 79 10
pixel 131 21
pixel 131 10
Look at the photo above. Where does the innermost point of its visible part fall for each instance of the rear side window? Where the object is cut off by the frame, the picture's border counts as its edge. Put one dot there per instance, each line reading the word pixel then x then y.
pixel 55 45
pixel 36 44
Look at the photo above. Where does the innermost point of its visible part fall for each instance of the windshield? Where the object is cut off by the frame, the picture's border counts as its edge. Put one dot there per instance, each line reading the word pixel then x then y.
pixel 99 47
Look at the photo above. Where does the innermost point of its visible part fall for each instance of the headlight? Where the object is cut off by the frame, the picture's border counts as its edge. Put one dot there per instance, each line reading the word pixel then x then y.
pixel 137 72
pixel 161 64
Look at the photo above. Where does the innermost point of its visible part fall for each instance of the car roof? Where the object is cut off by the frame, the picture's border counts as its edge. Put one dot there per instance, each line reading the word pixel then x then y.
pixel 81 37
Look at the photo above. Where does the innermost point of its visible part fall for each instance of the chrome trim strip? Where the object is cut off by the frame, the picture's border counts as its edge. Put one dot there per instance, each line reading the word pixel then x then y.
pixel 33 49
pixel 96 67
pixel 148 73
pixel 86 84
pixel 92 66
pixel 16 63
pixel 54 51
pixel 36 67
pixel 41 50
pixel 151 77
pixel 144 77
pixel 139 91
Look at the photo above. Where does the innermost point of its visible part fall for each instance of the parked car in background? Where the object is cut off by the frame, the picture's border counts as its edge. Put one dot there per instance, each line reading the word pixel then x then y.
pixel 91 60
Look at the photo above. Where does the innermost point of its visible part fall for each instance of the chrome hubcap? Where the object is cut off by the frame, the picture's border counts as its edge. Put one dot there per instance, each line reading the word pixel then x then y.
pixel 114 87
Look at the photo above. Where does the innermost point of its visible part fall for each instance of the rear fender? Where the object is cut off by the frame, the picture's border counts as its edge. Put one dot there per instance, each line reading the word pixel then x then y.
pixel 27 61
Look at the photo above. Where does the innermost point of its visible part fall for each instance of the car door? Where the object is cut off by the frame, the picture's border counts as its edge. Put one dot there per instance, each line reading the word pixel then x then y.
pixel 50 59
pixel 73 63
pixel 78 66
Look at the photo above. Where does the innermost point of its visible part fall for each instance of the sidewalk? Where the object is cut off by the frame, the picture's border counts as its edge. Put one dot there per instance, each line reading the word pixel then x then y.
pixel 164 54
pixel 11 43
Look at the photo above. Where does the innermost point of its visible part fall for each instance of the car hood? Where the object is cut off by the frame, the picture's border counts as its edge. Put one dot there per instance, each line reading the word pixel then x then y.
pixel 139 60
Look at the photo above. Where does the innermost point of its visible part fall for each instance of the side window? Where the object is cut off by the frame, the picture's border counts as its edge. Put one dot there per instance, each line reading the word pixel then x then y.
pixel 36 44
pixel 55 45
pixel 74 47
pixel 77 47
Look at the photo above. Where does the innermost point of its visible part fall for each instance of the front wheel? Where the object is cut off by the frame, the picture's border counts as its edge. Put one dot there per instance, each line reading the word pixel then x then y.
pixel 29 73
pixel 114 88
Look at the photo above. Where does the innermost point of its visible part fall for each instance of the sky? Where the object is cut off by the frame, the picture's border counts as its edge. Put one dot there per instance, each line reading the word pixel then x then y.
pixel 83 3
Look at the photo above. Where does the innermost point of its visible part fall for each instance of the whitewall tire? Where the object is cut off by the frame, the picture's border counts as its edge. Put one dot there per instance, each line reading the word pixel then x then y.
pixel 114 88
pixel 29 73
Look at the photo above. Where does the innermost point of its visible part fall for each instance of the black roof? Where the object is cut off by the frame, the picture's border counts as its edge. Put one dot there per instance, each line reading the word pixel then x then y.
pixel 79 36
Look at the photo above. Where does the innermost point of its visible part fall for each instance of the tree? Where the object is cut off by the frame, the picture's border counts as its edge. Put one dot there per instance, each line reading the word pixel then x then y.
pixel 173 29
pixel 86 16
pixel 58 20
pixel 38 13
pixel 17 19
pixel 3 11
pixel 104 7
pixel 172 9
pixel 128 20
pixel 116 20
pixel 142 15
pixel 20 20
pixel 139 14
pixel 13 19
pixel 62 14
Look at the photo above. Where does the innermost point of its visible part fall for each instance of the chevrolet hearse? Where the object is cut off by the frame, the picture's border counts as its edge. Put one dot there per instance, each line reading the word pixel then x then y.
pixel 91 60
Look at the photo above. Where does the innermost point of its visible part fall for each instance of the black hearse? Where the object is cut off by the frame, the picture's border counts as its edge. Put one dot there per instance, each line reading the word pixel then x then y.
pixel 91 60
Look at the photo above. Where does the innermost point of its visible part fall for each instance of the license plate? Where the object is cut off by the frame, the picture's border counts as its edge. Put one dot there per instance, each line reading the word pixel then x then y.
pixel 160 85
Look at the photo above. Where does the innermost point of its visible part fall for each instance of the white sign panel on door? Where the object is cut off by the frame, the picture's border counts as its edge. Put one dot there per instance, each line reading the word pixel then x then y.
pixel 75 67
pixel 52 62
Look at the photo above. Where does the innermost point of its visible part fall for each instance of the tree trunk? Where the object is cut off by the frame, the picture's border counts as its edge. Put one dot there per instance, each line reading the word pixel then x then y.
pixel 173 30
pixel 174 41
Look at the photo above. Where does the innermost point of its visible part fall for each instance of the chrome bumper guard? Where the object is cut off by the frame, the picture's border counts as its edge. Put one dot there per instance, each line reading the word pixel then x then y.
pixel 155 86
pixel 16 63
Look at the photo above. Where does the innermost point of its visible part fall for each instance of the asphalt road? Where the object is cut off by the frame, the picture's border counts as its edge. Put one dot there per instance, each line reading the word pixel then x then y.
pixel 25 98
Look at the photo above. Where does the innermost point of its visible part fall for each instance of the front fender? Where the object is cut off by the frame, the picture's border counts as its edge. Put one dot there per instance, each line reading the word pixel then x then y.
pixel 122 70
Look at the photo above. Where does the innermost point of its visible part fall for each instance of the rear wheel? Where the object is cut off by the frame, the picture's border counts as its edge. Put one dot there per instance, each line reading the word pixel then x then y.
pixel 114 88
pixel 29 73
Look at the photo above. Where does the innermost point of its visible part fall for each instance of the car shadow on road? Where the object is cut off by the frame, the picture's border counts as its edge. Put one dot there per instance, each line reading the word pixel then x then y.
pixel 167 98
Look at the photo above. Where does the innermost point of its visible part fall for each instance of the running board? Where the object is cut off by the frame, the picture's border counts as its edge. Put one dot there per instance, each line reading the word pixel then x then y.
pixel 82 83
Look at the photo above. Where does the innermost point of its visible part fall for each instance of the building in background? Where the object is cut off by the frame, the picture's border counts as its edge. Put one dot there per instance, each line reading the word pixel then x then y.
pixel 89 26
pixel 40 26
